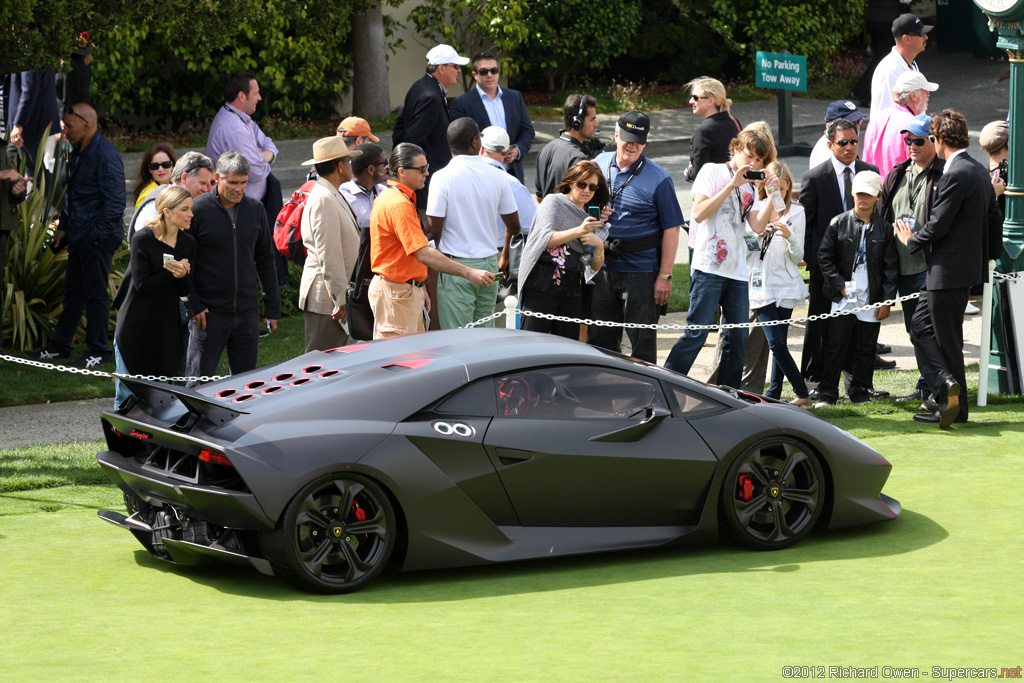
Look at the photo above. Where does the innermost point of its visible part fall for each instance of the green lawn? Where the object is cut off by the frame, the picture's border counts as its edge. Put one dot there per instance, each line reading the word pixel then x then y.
pixel 940 586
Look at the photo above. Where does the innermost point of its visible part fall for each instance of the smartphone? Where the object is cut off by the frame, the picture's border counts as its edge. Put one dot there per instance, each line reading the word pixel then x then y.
pixel 754 175
pixel 168 258
pixel 594 212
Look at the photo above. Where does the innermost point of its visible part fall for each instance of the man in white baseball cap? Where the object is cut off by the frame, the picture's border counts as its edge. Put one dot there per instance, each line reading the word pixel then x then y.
pixel 425 116
pixel 494 143
pixel 882 144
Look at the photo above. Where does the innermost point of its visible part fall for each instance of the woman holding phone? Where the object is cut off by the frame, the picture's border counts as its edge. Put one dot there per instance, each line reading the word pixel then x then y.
pixel 148 339
pixel 563 250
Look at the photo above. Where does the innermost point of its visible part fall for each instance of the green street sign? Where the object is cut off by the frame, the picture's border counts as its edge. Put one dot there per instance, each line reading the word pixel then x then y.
pixel 781 71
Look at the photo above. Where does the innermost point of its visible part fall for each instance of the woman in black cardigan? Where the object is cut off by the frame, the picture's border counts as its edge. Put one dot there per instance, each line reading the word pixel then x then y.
pixel 710 142
pixel 148 340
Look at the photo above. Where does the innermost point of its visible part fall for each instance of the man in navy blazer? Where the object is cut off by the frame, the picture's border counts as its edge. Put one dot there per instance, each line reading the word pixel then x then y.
pixel 30 105
pixel 425 117
pixel 963 232
pixel 491 105
pixel 825 193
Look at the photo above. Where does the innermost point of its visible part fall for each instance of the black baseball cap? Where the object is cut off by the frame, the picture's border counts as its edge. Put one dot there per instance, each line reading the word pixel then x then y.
pixel 908 23
pixel 634 127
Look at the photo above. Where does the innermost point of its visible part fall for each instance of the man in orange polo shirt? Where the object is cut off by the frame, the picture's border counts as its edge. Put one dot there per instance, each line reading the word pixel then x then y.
pixel 400 253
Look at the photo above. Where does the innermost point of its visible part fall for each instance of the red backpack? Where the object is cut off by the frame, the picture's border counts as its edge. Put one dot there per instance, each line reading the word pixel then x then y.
pixel 288 224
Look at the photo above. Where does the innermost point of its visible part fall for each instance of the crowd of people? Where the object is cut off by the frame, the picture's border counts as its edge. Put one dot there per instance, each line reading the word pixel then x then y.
pixel 443 218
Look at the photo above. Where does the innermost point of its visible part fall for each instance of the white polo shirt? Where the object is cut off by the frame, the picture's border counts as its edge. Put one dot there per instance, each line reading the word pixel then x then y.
pixel 470 195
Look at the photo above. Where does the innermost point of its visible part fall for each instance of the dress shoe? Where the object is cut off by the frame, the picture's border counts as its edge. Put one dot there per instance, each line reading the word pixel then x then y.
pixel 883 364
pixel 931 418
pixel 951 407
pixel 915 396
pixel 882 348
pixel 860 397
pixel 878 393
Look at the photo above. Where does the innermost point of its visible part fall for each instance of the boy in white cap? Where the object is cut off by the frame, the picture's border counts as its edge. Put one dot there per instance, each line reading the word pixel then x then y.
pixel 425 116
pixel 494 144
pixel 860 265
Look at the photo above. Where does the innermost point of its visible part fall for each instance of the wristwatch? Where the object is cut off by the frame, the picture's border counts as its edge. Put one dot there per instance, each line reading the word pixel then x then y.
pixel 667 278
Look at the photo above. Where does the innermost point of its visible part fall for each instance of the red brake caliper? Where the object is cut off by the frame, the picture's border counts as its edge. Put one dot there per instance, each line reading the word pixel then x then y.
pixel 360 515
pixel 746 488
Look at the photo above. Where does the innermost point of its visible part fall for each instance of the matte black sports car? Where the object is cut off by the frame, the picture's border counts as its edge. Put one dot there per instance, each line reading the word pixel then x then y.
pixel 468 447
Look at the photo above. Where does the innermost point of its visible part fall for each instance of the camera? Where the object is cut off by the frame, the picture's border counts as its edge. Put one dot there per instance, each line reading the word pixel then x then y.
pixel 754 175
pixel 1003 171
pixel 593 146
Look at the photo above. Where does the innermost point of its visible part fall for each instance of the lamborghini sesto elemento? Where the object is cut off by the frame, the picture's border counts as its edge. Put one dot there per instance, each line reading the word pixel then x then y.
pixel 467 447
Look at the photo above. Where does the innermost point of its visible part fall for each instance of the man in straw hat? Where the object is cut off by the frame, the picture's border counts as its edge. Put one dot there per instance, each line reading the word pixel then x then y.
pixel 330 234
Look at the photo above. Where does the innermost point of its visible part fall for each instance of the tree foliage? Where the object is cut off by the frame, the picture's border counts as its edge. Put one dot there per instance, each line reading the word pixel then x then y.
pixel 294 48
pixel 553 41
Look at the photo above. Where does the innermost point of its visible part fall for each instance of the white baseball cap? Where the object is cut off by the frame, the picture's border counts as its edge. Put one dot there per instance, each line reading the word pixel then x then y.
pixel 867 182
pixel 909 81
pixel 494 139
pixel 445 54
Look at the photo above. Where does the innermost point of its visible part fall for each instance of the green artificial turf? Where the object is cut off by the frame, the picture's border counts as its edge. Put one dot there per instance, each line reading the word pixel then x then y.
pixel 940 586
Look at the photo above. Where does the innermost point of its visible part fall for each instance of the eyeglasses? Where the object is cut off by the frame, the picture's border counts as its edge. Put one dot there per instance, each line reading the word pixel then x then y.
pixel 421 169
pixel 697 98
pixel 75 113
pixel 153 165
pixel 484 72
pixel 202 163
pixel 908 141
pixel 844 143
pixel 586 186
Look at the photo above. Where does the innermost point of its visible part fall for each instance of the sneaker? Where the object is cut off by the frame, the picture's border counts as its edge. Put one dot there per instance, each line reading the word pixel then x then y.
pixel 915 396
pixel 930 406
pixel 825 402
pixel 971 309
pixel 47 353
pixel 89 360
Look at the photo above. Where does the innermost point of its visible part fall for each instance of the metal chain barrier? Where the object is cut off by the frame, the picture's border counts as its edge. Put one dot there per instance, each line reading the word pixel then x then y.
pixel 100 373
pixel 545 316
pixel 720 326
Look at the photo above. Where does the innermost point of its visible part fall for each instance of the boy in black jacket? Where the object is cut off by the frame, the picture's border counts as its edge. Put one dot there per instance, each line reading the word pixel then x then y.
pixel 860 265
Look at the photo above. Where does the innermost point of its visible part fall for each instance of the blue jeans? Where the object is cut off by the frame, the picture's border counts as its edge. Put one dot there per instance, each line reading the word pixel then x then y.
pixel 86 290
pixel 709 292
pixel 783 363
pixel 121 392
pixel 909 284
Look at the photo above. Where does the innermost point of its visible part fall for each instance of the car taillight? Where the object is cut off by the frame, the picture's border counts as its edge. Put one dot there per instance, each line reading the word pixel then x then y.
pixel 214 458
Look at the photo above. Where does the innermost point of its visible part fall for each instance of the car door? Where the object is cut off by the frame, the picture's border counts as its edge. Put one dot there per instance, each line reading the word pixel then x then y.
pixel 595 446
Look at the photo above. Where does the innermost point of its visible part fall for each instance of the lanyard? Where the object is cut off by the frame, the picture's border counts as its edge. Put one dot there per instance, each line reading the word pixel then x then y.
pixel 406 194
pixel 739 197
pixel 914 194
pixel 643 160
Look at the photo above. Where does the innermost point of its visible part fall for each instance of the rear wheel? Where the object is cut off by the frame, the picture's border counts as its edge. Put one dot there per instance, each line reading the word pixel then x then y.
pixel 335 536
pixel 773 494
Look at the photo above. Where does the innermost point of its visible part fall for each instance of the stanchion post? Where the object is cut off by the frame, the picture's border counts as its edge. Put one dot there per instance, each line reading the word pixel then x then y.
pixel 511 304
pixel 986 337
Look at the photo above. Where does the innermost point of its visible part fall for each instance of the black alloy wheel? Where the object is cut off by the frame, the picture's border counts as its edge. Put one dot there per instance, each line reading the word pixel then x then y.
pixel 336 535
pixel 773 494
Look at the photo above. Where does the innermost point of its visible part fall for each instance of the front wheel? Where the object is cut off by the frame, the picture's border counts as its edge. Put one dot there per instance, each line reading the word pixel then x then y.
pixel 336 535
pixel 773 494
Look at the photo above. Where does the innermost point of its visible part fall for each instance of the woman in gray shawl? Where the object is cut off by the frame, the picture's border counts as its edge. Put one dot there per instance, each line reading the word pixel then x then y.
pixel 562 250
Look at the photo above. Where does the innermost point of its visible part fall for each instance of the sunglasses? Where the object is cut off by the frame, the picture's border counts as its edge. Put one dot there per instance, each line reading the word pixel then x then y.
pixel 908 141
pixel 153 165
pixel 586 186
pixel 75 113
pixel 421 169
pixel 484 72
pixel 697 98
pixel 202 163
pixel 844 143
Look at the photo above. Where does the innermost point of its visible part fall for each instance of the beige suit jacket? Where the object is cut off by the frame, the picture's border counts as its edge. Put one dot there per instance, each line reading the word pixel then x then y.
pixel 331 237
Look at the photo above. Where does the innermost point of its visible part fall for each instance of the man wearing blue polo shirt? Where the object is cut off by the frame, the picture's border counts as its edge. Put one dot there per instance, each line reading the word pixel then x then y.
pixel 643 235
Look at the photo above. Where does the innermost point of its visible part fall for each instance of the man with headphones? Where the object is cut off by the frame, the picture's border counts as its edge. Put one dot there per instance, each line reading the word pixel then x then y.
pixel 579 114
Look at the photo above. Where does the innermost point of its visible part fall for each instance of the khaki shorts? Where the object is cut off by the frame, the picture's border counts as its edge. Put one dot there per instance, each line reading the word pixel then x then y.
pixel 397 308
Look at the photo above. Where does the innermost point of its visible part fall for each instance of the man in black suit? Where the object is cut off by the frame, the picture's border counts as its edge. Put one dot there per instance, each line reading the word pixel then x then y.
pixel 958 240
pixel 491 105
pixel 825 192
pixel 425 117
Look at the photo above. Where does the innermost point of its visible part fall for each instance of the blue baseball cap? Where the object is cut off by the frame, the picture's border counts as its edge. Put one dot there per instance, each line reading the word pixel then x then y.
pixel 843 109
pixel 920 125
